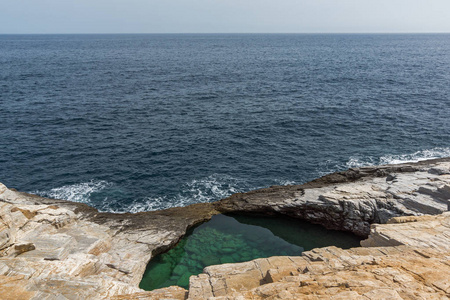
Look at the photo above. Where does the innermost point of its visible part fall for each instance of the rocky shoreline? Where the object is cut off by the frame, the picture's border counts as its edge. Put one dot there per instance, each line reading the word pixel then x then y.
pixel 56 249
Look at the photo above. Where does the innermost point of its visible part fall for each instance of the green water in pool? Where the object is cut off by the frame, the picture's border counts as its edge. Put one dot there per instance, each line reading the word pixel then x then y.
pixel 238 238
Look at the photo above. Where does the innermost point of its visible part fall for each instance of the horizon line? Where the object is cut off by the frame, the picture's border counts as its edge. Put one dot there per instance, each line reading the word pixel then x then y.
pixel 160 33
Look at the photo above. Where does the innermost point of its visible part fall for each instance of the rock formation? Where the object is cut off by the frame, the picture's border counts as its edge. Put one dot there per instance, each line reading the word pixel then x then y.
pixel 413 264
pixel 56 249
pixel 354 199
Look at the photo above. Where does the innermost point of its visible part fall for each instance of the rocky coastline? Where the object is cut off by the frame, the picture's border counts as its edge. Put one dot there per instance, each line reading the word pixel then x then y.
pixel 56 249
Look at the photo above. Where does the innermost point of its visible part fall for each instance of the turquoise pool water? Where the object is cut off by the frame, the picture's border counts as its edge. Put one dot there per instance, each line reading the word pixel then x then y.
pixel 237 238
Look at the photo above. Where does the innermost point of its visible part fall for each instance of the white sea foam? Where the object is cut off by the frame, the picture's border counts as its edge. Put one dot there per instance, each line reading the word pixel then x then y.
pixel 355 161
pixel 215 186
pixel 416 156
pixel 79 192
pixel 208 189
pixel 285 182
pixel 358 161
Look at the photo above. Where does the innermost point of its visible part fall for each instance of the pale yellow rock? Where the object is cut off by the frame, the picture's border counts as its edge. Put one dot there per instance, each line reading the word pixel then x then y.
pixel 423 231
pixel 382 294
pixel 170 293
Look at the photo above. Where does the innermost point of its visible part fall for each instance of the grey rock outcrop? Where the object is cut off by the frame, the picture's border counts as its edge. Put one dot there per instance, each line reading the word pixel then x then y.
pixel 354 199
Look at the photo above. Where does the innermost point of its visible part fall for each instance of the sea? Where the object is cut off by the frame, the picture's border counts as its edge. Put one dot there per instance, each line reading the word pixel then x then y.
pixel 130 123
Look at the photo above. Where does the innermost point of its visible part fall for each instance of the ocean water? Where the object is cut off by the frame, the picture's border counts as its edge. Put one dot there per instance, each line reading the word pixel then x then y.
pixel 144 122
pixel 237 238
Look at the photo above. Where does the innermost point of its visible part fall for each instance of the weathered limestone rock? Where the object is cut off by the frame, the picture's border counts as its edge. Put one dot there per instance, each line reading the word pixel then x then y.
pixel 354 199
pixel 425 231
pixel 56 249
pixel 173 292
pixel 53 248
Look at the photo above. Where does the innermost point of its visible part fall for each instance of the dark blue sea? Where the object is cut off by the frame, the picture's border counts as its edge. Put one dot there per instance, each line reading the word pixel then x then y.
pixel 144 122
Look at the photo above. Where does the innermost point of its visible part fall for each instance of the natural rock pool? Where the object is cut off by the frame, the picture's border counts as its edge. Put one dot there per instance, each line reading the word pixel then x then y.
pixel 238 238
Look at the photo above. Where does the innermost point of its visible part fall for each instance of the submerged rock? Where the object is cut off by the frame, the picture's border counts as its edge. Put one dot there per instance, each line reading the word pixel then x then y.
pixel 180 269
pixel 210 260
pixel 227 259
pixel 184 280
pixel 163 270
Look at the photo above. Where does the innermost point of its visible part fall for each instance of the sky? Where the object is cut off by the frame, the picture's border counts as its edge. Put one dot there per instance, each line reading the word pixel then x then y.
pixel 224 16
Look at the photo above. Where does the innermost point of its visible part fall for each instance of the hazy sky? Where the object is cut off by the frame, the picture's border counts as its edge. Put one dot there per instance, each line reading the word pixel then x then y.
pixel 192 16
